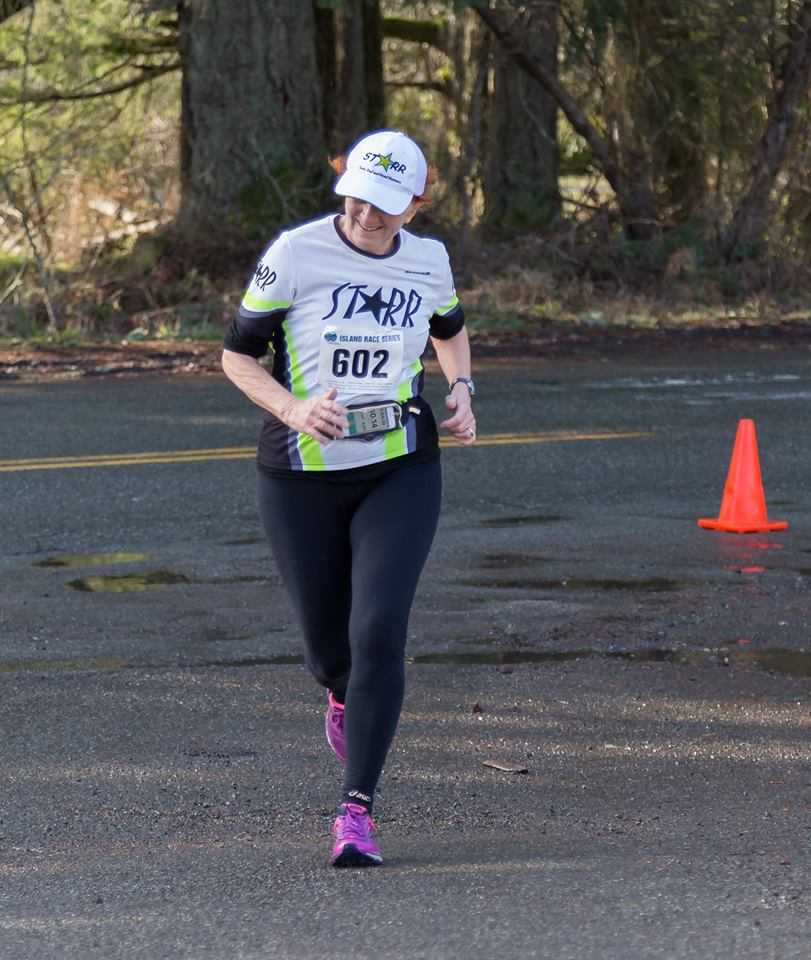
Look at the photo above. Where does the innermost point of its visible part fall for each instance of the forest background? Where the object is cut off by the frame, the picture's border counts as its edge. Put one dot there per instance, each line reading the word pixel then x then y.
pixel 601 161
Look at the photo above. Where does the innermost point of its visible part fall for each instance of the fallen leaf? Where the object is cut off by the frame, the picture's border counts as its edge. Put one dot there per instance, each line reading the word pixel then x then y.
pixel 506 767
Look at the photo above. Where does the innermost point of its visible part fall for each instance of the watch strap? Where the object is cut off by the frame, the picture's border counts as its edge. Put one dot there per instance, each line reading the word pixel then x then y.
pixel 466 381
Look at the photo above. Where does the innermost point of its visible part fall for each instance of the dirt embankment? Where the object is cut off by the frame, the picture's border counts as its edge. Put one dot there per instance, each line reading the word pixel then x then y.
pixel 125 357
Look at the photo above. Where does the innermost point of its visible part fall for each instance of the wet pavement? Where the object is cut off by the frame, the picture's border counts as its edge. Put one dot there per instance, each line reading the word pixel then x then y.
pixel 167 791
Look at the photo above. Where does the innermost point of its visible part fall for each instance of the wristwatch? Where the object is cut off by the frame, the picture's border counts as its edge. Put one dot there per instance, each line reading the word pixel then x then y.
pixel 467 382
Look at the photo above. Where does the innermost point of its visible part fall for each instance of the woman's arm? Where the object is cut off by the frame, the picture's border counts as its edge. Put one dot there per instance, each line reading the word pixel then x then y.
pixel 454 361
pixel 320 416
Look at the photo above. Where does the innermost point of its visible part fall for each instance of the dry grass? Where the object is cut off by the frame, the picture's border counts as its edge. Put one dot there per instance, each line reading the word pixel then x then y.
pixel 158 286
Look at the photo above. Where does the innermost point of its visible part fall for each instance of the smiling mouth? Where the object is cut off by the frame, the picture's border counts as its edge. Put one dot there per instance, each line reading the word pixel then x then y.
pixel 368 229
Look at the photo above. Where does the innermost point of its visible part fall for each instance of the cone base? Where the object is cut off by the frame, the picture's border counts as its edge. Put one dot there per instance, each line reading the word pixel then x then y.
pixel 754 527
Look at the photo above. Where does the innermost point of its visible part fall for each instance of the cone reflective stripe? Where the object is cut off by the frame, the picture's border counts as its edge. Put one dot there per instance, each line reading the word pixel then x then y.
pixel 743 508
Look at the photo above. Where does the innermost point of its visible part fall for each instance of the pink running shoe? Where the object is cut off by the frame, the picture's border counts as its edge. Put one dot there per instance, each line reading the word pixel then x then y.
pixel 354 832
pixel 335 728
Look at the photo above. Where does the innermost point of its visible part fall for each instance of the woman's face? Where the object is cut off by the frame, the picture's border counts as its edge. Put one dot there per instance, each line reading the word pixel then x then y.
pixel 370 229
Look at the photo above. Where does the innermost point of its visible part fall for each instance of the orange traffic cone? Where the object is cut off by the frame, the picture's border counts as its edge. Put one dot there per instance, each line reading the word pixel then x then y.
pixel 743 509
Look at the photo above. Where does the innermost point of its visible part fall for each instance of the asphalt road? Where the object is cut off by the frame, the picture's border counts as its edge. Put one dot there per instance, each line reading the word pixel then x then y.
pixel 167 789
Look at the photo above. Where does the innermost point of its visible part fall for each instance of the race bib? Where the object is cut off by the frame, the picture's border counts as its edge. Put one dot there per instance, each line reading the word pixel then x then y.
pixel 360 361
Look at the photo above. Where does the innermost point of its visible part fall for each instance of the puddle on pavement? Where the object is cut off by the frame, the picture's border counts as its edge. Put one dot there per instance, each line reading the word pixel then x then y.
pixel 795 663
pixel 133 582
pixel 155 580
pixel 281 660
pixel 521 521
pixel 655 585
pixel 75 560
pixel 509 561
pixel 128 582
pixel 105 664
pixel 219 581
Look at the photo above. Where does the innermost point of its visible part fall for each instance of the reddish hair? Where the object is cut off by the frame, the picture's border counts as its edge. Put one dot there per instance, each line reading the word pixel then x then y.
pixel 338 164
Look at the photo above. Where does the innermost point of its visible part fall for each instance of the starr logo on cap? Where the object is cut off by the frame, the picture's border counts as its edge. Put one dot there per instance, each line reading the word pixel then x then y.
pixel 386 169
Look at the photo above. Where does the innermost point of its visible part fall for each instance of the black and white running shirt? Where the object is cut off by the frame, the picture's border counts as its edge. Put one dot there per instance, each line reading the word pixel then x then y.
pixel 338 317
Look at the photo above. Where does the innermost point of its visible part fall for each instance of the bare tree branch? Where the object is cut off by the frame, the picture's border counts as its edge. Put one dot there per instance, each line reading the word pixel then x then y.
pixel 635 202
pixel 752 217
pixel 42 271
pixel 601 149
pixel 53 96
pixel 440 86
pixel 433 32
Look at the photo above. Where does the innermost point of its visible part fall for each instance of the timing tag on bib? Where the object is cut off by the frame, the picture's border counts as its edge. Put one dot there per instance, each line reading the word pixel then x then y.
pixel 360 361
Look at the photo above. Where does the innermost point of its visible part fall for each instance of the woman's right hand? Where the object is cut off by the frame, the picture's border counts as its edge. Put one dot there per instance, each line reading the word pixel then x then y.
pixel 319 417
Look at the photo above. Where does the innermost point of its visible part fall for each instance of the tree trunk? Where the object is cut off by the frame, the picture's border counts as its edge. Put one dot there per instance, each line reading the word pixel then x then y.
pixel 359 103
pixel 752 218
pixel 373 64
pixel 9 7
pixel 467 43
pixel 252 141
pixel 520 177
pixel 637 206
pixel 350 112
pixel 326 50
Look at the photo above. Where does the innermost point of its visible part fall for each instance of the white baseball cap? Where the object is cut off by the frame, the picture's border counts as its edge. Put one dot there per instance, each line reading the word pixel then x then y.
pixel 385 168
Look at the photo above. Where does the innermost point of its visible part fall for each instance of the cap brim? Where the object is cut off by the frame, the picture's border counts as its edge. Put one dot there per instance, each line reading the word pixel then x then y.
pixel 385 196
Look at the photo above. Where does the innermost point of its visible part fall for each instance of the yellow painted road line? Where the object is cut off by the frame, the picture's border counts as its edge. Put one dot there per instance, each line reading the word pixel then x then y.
pixel 90 458
pixel 125 461
pixel 557 436
pixel 246 453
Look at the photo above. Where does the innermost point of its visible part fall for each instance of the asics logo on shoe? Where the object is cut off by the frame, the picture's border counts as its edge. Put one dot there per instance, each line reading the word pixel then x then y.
pixel 360 796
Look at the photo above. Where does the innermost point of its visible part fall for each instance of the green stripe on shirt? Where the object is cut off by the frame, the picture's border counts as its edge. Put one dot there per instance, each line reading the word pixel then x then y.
pixel 260 305
pixel 309 449
pixel 441 311
pixel 396 442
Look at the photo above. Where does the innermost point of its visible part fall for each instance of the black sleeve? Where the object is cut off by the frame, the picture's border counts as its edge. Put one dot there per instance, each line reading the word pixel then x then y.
pixel 251 335
pixel 447 326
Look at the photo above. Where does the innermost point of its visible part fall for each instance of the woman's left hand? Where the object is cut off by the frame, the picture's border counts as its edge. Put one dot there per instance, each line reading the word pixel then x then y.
pixel 462 424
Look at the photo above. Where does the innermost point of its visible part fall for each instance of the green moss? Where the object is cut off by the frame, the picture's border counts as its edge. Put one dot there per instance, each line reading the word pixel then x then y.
pixel 286 195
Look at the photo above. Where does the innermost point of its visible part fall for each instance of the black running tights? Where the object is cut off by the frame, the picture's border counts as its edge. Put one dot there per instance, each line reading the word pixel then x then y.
pixel 350 556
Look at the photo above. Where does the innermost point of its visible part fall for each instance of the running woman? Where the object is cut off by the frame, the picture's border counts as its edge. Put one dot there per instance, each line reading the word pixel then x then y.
pixel 349 473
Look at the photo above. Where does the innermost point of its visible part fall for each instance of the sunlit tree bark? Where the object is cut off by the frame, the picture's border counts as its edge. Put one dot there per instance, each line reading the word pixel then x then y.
pixel 520 172
pixel 753 216
pixel 633 191
pixel 252 140
pixel 350 60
